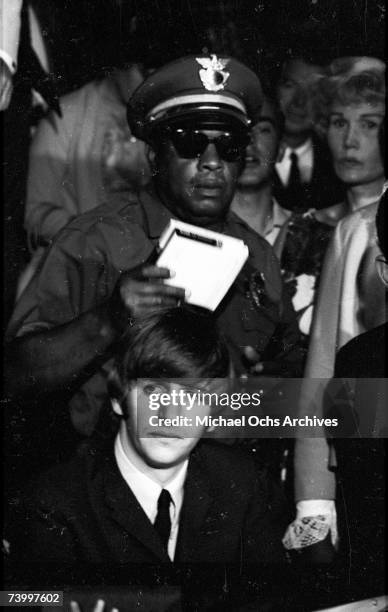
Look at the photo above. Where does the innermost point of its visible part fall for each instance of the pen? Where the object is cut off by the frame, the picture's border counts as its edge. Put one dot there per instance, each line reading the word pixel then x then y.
pixel 204 239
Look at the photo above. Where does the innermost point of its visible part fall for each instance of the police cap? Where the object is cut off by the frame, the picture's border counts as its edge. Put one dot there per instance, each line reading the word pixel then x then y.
pixel 211 91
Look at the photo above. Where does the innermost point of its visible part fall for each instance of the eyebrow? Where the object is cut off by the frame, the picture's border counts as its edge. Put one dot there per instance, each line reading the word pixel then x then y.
pixel 377 114
pixel 373 115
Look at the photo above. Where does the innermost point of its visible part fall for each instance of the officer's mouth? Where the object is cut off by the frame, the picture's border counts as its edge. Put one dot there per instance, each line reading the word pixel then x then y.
pixel 209 188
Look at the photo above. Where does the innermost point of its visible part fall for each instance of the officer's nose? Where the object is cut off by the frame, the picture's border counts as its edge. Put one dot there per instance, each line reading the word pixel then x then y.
pixel 210 159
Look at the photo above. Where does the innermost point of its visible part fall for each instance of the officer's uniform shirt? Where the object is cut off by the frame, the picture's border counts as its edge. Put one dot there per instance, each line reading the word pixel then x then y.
pixel 83 266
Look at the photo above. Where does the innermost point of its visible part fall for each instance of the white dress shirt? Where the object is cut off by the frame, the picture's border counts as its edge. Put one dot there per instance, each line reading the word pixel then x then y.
pixel 305 162
pixel 147 491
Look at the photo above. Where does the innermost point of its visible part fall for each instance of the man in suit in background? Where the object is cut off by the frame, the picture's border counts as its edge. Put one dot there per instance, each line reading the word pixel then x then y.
pixel 153 496
pixel 304 176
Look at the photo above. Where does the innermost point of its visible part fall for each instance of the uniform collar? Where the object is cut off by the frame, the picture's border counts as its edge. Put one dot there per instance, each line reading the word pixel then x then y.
pixel 157 216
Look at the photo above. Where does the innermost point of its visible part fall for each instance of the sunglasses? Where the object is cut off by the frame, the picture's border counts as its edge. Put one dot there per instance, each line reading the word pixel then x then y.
pixel 193 143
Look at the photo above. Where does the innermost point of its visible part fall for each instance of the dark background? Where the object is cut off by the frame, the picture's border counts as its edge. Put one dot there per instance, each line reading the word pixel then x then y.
pixel 88 37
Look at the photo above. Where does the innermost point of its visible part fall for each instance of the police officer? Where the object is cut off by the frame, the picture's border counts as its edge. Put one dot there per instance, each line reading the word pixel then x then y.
pixel 195 115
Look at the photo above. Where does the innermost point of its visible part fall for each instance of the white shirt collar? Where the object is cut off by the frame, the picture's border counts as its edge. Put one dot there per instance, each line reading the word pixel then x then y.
pixel 305 155
pixel 147 491
pixel 279 214
pixel 303 149
pixel 279 217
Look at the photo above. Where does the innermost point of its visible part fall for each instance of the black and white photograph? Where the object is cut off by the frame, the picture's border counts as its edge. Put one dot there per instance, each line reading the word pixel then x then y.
pixel 195 273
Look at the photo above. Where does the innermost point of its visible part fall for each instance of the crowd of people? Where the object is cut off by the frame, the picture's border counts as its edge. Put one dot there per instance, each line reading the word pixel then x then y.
pixel 296 170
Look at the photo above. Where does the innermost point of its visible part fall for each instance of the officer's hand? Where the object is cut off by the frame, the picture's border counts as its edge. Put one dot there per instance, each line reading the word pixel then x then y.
pixel 256 366
pixel 98 607
pixel 141 291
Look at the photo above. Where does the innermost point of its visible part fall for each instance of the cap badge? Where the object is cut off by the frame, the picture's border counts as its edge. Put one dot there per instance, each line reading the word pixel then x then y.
pixel 212 74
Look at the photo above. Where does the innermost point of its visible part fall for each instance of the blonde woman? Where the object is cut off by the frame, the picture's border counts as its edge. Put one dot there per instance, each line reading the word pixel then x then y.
pixel 350 299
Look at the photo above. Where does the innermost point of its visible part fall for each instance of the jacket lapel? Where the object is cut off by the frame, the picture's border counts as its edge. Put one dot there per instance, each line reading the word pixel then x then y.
pixel 196 505
pixel 126 511
pixel 276 181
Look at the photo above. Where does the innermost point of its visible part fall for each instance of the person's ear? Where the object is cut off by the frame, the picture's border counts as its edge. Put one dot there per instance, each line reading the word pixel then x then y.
pixel 116 407
pixel 115 390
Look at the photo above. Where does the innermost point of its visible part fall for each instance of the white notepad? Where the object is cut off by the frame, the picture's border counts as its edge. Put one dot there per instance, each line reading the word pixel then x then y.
pixel 205 263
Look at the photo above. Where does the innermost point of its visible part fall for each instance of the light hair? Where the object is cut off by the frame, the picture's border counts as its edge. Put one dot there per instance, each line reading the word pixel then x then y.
pixel 349 81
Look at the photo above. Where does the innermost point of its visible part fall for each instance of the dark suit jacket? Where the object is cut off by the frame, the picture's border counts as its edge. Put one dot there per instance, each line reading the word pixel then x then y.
pixel 364 356
pixel 361 462
pixel 324 189
pixel 83 515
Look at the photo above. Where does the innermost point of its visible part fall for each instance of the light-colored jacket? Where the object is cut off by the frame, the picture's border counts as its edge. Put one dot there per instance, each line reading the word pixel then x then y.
pixel 351 300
